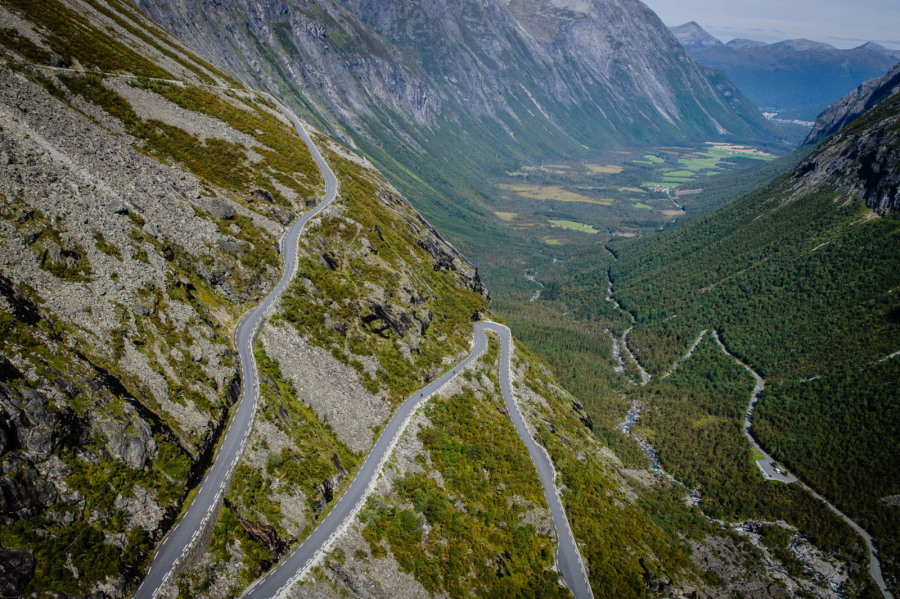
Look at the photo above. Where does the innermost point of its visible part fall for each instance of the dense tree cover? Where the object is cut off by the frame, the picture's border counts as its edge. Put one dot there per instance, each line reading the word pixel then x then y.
pixel 580 352
pixel 625 549
pixel 695 417
pixel 806 292
pixel 841 430
pixel 803 287
pixel 802 284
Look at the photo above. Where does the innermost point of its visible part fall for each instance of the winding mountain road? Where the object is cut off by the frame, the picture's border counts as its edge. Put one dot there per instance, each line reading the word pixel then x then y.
pixel 771 472
pixel 279 581
pixel 568 558
pixel 686 356
pixel 768 466
pixel 645 378
pixel 207 502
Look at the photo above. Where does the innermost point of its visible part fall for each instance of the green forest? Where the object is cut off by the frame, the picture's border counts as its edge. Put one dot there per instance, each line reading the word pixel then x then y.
pixel 802 285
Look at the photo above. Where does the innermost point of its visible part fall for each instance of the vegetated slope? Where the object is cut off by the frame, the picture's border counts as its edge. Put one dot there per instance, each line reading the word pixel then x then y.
pixel 460 496
pixel 800 279
pixel 140 220
pixel 694 420
pixel 796 78
pixel 474 86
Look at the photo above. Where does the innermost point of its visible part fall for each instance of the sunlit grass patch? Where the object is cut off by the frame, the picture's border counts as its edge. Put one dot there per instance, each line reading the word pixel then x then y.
pixel 553 193
pixel 604 169
pixel 650 159
pixel 574 226
pixel 701 163
pixel 507 216
pixel 755 455
pixel 736 150
pixel 708 420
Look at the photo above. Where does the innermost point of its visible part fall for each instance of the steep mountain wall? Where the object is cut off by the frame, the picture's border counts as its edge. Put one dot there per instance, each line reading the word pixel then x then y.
pixel 612 63
pixel 855 104
pixel 862 159
pixel 476 87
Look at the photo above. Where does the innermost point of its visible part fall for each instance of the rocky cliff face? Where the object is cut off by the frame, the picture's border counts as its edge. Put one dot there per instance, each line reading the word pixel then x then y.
pixel 855 104
pixel 126 261
pixel 479 87
pixel 863 158
pixel 612 62
pixel 692 36
pixel 380 306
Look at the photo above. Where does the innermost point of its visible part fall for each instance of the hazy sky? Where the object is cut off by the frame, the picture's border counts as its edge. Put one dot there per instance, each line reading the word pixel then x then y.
pixel 843 23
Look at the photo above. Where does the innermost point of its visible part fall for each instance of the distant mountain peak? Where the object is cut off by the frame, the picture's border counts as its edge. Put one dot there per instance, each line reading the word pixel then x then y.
pixel 795 79
pixel 873 46
pixel 877 48
pixel 801 45
pixel 692 35
pixel 745 43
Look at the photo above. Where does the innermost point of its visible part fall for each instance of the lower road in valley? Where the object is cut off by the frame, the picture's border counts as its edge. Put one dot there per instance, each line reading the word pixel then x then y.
pixel 769 467
pixel 206 503
pixel 772 471
pixel 278 582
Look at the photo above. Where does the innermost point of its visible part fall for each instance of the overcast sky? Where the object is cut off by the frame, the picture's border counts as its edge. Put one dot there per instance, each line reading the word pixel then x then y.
pixel 843 23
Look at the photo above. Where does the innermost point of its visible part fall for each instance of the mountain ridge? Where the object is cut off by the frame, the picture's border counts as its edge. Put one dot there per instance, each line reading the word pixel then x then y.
pixel 798 78
pixel 855 104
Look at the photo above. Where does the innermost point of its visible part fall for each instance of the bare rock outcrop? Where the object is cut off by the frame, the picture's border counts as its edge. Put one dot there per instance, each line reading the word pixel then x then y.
pixel 855 104
pixel 16 569
pixel 861 160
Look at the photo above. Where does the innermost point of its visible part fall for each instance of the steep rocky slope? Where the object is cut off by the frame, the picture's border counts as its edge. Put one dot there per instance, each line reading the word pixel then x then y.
pixel 466 59
pixel 380 305
pixel 479 86
pixel 140 220
pixel 795 78
pixel 855 104
pixel 863 158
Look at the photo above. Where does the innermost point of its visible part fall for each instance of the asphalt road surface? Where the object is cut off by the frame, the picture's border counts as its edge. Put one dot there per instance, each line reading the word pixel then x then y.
pixel 297 564
pixel 205 504
pixel 766 464
pixel 568 559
